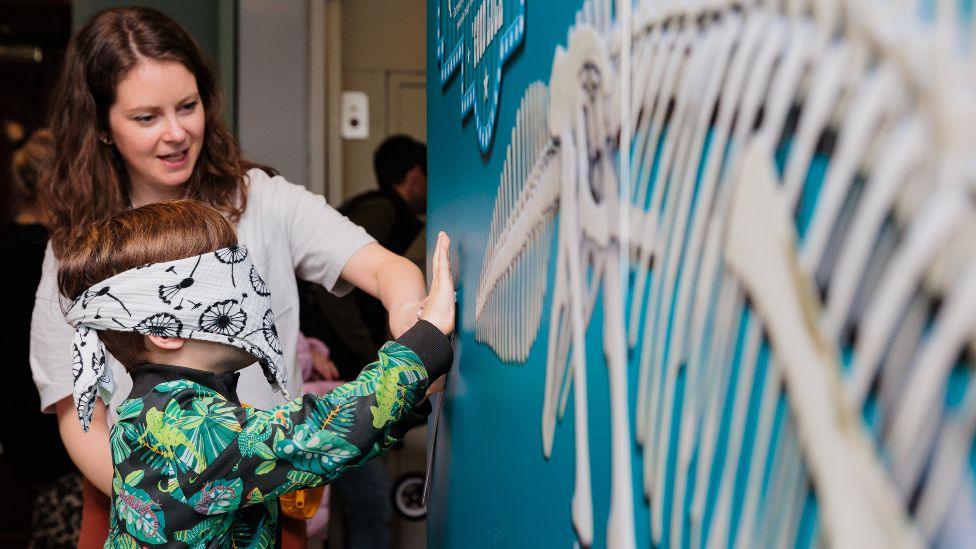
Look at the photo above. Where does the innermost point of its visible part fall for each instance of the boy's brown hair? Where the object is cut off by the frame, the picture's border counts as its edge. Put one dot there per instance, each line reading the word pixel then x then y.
pixel 154 233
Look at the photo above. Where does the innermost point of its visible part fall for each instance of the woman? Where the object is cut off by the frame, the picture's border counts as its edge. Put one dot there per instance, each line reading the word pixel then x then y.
pixel 137 118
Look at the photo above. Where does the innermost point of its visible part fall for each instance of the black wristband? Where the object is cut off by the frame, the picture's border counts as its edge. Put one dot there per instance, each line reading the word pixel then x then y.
pixel 432 346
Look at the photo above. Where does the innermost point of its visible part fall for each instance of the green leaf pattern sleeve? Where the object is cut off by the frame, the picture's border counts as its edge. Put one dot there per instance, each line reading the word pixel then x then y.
pixel 183 452
pixel 308 441
pixel 194 467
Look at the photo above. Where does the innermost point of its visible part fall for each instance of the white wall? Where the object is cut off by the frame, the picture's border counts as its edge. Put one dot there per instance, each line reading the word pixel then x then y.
pixel 383 54
pixel 273 84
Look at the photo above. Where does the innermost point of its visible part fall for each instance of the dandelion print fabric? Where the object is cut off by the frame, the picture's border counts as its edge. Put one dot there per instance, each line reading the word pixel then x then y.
pixel 194 468
pixel 198 297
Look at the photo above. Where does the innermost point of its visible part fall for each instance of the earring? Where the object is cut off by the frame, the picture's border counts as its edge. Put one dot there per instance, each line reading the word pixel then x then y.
pixel 105 140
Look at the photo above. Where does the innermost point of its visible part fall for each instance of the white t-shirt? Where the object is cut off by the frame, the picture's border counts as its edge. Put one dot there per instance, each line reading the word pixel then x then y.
pixel 288 230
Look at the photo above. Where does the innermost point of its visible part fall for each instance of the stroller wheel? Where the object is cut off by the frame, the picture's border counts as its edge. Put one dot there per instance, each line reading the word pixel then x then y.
pixel 408 497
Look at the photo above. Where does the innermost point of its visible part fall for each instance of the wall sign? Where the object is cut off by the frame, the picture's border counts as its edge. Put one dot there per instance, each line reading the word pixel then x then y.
pixel 478 37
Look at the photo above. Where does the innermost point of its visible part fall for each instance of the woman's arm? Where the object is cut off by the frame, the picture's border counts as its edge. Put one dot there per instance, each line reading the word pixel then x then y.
pixel 392 279
pixel 50 361
pixel 89 451
pixel 329 249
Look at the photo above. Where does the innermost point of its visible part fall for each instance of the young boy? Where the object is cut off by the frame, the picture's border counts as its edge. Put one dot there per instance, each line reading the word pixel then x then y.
pixel 166 290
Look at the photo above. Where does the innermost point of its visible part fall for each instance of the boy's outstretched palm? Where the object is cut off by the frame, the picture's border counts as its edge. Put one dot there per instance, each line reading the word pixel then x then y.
pixel 438 307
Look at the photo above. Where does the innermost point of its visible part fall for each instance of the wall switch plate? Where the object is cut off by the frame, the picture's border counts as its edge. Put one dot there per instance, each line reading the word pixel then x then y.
pixel 354 115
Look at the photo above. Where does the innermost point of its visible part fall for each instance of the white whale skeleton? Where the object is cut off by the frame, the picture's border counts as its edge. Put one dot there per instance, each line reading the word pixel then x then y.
pixel 695 98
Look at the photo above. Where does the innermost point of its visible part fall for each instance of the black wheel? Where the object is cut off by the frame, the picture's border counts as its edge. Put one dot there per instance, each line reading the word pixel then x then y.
pixel 408 497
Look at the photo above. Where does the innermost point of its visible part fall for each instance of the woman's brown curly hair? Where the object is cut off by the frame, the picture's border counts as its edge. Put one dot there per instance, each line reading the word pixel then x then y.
pixel 88 180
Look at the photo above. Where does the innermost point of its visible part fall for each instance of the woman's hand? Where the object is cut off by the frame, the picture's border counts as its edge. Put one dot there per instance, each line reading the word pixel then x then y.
pixel 403 318
pixel 392 279
pixel 438 307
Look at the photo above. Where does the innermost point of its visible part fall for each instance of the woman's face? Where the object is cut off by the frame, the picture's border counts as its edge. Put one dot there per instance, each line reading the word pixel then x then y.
pixel 157 124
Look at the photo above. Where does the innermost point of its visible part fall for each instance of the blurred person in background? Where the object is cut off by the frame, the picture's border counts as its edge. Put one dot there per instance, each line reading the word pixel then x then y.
pixel 12 137
pixel 32 447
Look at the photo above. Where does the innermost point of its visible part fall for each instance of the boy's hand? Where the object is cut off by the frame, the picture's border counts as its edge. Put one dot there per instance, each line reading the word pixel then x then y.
pixel 438 307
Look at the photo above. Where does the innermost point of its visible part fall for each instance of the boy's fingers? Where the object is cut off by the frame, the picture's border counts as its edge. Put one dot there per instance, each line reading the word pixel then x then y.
pixel 435 269
pixel 445 262
pixel 435 265
pixel 439 254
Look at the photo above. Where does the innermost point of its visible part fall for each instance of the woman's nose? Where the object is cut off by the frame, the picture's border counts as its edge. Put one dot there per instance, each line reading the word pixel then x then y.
pixel 174 132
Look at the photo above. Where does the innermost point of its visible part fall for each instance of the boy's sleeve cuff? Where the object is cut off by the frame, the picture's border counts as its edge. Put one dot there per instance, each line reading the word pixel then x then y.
pixel 432 346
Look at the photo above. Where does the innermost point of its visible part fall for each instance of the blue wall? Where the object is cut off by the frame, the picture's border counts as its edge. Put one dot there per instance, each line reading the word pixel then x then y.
pixel 491 485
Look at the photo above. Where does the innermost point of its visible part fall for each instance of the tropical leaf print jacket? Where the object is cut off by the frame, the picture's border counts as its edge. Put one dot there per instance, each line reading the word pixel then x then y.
pixel 194 468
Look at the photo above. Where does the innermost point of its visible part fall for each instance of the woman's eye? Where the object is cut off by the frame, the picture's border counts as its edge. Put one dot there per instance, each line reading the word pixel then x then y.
pixel 145 118
pixel 190 106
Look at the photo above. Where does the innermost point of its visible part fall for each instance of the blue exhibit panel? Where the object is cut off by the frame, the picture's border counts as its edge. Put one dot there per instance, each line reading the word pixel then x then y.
pixel 491 485
pixel 692 326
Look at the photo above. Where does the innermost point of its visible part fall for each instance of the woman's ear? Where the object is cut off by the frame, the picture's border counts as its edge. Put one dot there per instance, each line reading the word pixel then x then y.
pixel 166 343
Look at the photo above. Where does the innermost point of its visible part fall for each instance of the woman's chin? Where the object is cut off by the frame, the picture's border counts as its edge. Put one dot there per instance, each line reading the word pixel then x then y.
pixel 174 178
pixel 158 188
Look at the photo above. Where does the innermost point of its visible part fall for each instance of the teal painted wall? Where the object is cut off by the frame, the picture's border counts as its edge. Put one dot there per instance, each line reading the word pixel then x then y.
pixel 491 485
